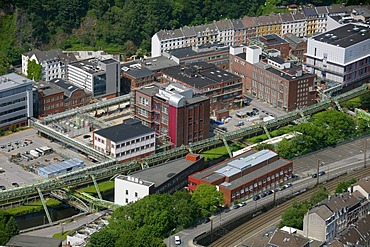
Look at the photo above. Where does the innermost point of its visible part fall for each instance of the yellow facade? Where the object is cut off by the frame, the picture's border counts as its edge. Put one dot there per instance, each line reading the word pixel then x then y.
pixel 269 29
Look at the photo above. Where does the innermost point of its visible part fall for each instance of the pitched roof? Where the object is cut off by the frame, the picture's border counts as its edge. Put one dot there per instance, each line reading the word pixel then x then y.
pixel 292 39
pixel 322 211
pixel 224 24
pixel 364 184
pixel 286 17
pixel 298 16
pixel 321 10
pixel 238 24
pixel 51 54
pixel 310 12
pixel 188 31
pixel 169 34
pixel 33 241
pixel 268 20
pixel 66 87
pixel 249 21
pixel 336 9
pixel 283 239
pixel 336 203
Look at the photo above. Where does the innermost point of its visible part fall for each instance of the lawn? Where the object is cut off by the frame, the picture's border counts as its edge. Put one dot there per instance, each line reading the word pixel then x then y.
pixel 103 186
pixel 62 236
pixel 219 152
pixel 32 207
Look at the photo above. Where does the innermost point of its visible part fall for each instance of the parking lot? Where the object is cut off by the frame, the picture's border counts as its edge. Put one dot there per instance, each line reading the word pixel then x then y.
pixel 254 113
pixel 15 172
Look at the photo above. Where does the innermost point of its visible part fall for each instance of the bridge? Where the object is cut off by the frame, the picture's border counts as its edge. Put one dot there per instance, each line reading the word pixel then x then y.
pixel 108 166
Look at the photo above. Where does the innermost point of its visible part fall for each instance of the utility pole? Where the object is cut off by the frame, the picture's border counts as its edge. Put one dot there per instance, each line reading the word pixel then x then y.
pixel 365 147
pixel 318 170
pixel 211 230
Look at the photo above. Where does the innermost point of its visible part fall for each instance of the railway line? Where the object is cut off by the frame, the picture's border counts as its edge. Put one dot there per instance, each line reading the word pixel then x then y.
pixel 254 225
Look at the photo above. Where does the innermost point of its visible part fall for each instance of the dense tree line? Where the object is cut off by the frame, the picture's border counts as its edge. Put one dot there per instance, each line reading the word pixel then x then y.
pixel 8 228
pixel 148 221
pixel 121 26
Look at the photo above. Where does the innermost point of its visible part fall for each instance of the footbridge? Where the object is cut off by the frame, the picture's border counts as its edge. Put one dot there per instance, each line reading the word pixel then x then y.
pixel 108 167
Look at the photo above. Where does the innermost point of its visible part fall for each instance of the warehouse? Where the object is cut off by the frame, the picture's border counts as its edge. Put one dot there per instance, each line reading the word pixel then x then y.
pixel 60 168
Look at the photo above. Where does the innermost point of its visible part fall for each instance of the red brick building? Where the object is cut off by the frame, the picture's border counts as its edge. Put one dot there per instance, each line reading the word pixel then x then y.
pixel 246 175
pixel 274 80
pixel 298 47
pixel 48 100
pixel 173 111
pixel 223 88
pixel 134 75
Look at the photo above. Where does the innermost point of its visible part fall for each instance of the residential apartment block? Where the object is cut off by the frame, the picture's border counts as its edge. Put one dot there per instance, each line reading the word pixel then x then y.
pixel 173 110
pixel 16 101
pixel 100 77
pixel 305 23
pixel 53 63
pixel 273 80
pixel 246 175
pixel 206 79
pixel 340 56
pixel 126 141
pixel 334 215
pixel 165 178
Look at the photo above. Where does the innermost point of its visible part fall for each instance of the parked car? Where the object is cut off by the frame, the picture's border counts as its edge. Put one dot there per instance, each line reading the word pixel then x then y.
pixel 270 192
pixel 206 220
pixel 15 184
pixel 314 175
pixel 177 240
pixel 257 197
pixel 322 173
pixel 240 124
pixel 241 205
pixel 236 206
pixel 2 187
pixel 244 203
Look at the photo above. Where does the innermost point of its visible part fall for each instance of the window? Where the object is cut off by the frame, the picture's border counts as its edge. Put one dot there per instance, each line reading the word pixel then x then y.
pixel 143 101
pixel 136 194
pixel 165 109
pixel 143 112
pixel 126 192
pixel 126 200
pixel 165 120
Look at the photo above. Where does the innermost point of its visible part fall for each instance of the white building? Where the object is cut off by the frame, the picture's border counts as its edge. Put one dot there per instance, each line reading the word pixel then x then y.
pixel 340 55
pixel 100 77
pixel 165 178
pixel 130 189
pixel 16 101
pixel 226 32
pixel 125 141
pixel 53 63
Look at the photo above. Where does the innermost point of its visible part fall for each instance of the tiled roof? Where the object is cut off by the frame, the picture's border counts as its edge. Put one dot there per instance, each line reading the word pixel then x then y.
pixel 286 17
pixel 224 25
pixel 284 239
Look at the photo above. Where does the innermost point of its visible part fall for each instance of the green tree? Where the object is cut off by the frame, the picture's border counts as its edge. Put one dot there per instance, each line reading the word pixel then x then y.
pixel 293 216
pixel 12 128
pixel 34 70
pixel 12 227
pixel 8 228
pixel 208 198
pixel 319 195
pixel 343 186
pixel 103 238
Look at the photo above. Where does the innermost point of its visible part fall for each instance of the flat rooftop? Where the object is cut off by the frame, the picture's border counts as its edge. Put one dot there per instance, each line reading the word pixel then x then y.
pixel 90 66
pixel 161 173
pixel 124 131
pixel 158 63
pixel 135 70
pixel 344 36
pixel 199 51
pixel 13 80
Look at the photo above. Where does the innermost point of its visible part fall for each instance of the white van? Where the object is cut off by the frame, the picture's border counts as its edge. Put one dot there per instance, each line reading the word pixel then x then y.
pixel 177 240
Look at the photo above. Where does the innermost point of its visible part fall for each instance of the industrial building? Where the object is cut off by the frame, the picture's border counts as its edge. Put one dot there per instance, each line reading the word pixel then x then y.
pixel 60 168
pixel 135 75
pixel 16 101
pixel 125 141
pixel 100 77
pixel 340 56
pixel 222 87
pixel 246 175
pixel 165 178
pixel 173 111
pixel 272 79
pixel 47 100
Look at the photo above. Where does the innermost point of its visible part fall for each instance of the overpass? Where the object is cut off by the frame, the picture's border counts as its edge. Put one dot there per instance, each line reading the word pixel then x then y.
pixel 108 167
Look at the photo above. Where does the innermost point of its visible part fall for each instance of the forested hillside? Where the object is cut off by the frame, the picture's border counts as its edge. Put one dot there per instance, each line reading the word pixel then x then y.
pixel 120 26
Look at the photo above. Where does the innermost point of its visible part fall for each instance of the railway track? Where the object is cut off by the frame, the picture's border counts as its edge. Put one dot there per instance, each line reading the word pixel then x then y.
pixel 265 220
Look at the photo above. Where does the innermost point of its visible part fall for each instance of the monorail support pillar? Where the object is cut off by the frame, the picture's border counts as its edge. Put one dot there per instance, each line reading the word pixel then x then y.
pixel 227 147
pixel 44 205
pixel 96 186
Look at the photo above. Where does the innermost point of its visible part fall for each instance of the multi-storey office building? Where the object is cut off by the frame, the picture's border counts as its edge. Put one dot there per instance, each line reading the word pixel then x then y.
pixel 47 100
pixel 273 80
pixel 16 101
pixel 126 141
pixel 100 77
pixel 340 55
pixel 173 111
pixel 207 80
pixel 134 75
pixel 245 175
pixel 53 63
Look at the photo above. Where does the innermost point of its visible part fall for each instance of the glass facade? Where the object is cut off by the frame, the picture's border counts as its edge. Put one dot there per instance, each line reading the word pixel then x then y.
pixel 100 85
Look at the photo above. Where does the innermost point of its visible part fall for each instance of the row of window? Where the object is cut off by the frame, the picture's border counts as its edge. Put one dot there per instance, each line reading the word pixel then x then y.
pixel 52 99
pixel 52 106
pixel 138 140
pixel 12 110
pixel 13 102
pixel 13 119
pixel 134 150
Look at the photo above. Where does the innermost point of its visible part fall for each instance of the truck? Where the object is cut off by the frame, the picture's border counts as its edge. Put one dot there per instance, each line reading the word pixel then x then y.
pixel 34 153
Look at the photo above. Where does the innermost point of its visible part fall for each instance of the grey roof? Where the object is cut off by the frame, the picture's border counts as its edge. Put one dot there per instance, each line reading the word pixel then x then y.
pixel 61 166
pixel 337 9
pixel 199 30
pixel 66 87
pixel 170 34
pixel 13 80
pixel 286 17
pixel 190 52
pixel 238 24
pixel 270 39
pixel 51 91
pixel 136 72
pixel 121 132
pixel 292 39
pixel 89 65
pixel 46 88
pixel 298 16
pixel 110 60
pixel 310 12
pixel 239 165
pixel 344 36
pixel 268 19
pixel 321 10
pixel 52 54
pixel 278 60
pixel 365 11
pixel 258 173
pixel 364 184
pixel 337 202
pixel 150 90
pixel 284 239
pixel 161 173
pixel 159 63
pixel 322 211
pixel 190 75
pixel 33 241
pixel 224 25
pixel 188 31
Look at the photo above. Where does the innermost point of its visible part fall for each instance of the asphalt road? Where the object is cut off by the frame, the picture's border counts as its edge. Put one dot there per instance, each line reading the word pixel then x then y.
pixel 336 160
